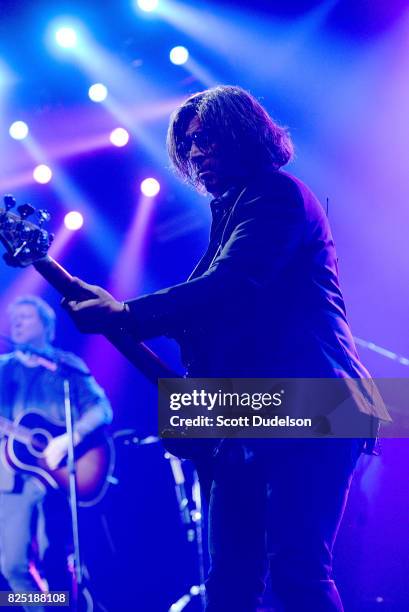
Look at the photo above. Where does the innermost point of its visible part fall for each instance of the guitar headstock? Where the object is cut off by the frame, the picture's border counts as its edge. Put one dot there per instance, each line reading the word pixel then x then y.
pixel 25 241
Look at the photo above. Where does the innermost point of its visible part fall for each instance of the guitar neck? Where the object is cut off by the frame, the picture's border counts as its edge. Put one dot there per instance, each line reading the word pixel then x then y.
pixel 9 428
pixel 145 360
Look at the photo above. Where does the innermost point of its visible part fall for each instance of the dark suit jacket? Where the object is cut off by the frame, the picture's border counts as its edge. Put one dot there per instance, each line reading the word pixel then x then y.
pixel 265 300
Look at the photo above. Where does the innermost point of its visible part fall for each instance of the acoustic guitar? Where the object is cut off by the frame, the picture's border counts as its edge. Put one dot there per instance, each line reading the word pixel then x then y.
pixel 22 449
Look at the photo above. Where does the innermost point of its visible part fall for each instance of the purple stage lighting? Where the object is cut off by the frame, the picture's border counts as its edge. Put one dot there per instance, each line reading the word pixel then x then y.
pixel 42 174
pixel 150 187
pixel 73 220
pixel 18 130
pixel 119 137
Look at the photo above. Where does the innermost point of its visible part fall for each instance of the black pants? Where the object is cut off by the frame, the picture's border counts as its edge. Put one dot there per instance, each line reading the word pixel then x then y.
pixel 277 504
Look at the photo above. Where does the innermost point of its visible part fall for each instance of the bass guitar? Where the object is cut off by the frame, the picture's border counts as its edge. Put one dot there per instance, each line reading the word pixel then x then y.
pixel 27 243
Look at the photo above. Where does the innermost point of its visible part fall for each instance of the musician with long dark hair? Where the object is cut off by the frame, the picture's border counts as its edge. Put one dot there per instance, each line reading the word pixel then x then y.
pixel 264 301
pixel 31 380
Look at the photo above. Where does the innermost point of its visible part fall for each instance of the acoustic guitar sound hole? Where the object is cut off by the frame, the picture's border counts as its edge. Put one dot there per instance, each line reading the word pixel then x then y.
pixel 39 440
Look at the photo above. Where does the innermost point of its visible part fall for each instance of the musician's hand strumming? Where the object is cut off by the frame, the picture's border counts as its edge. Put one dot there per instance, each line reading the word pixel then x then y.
pixel 57 449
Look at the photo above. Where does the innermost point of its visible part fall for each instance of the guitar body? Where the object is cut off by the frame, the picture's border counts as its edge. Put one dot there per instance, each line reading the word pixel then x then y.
pixel 94 457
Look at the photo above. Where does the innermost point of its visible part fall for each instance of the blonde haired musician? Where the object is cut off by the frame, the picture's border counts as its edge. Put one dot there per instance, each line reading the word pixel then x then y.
pixel 29 381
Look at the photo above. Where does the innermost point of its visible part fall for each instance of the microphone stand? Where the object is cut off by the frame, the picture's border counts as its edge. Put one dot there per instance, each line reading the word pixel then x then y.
pixel 78 574
pixel 197 518
pixel 78 571
pixel 193 521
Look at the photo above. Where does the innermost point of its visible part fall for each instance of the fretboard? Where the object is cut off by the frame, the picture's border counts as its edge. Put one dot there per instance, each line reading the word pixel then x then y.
pixel 9 428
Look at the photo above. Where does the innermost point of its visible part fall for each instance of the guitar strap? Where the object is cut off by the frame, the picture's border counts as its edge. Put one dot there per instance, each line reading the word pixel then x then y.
pixel 24 379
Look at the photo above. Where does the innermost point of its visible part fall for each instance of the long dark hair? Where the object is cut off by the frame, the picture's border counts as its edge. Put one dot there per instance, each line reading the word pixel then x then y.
pixel 239 123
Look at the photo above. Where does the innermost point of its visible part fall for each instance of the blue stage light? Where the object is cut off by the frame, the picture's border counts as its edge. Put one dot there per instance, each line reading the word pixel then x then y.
pixel 66 37
pixel 179 55
pixel 42 174
pixel 98 92
pixel 73 220
pixel 147 5
pixel 18 130
pixel 119 137
pixel 150 187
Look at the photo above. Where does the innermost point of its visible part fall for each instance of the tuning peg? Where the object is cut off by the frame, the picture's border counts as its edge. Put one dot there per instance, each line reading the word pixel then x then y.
pixel 9 201
pixel 43 216
pixel 42 240
pixel 25 210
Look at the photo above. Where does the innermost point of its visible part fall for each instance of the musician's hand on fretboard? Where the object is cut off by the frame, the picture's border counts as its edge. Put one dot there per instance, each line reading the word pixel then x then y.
pixel 93 309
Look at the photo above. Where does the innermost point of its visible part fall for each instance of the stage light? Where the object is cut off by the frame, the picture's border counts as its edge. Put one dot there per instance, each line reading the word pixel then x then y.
pixel 179 55
pixel 97 92
pixel 66 37
pixel 18 130
pixel 42 174
pixel 73 220
pixel 119 137
pixel 148 5
pixel 150 187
